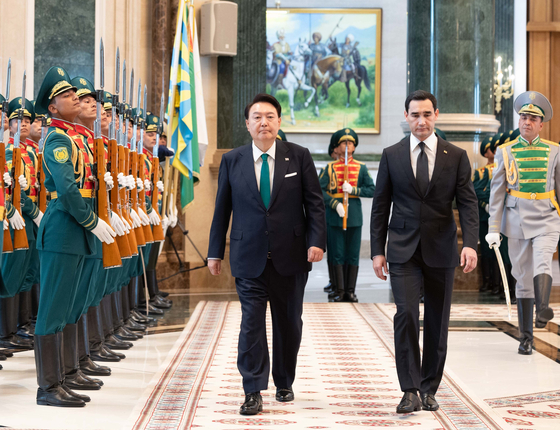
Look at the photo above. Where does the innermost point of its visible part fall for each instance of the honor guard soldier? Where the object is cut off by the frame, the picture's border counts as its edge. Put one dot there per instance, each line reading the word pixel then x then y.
pixel 66 235
pixel 524 207
pixel 350 177
pixel 17 264
pixel 481 181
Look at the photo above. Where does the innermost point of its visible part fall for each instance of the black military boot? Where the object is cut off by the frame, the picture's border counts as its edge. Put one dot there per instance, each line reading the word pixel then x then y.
pixel 87 365
pixel 8 326
pixel 24 327
pixel 525 319
pixel 542 284
pixel 47 360
pixel 155 299
pixel 107 317
pixel 350 287
pixel 74 378
pixel 61 374
pixel 119 330
pixel 486 278
pixel 329 287
pixel 339 279
pixel 97 352
pixel 134 300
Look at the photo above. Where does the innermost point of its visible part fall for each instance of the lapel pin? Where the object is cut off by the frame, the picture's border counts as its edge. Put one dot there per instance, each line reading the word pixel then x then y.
pixel 444 151
pixel 287 159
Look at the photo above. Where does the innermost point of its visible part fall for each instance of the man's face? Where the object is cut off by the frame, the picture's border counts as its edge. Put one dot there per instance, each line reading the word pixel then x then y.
pixel 104 122
pixel 489 153
pixel 342 148
pixel 6 125
pixel 25 128
pixel 88 109
pixel 316 39
pixel 163 140
pixel 263 123
pixel 421 118
pixel 150 140
pixel 65 106
pixel 35 131
pixel 530 126
pixel 129 134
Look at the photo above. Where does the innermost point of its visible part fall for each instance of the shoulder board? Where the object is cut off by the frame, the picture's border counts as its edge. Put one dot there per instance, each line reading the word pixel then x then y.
pixel 359 162
pixel 481 169
pixel 548 142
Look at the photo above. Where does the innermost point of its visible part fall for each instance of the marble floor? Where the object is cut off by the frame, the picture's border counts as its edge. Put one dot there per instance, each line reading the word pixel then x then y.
pixel 482 355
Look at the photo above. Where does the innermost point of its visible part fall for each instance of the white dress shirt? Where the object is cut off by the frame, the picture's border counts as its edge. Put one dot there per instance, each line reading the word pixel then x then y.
pixel 259 161
pixel 430 148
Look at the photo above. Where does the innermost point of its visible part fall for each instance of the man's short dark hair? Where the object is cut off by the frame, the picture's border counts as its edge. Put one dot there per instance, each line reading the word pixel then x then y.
pixel 420 95
pixel 266 98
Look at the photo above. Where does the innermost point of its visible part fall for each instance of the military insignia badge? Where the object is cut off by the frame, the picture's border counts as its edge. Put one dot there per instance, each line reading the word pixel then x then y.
pixel 61 155
pixel 532 96
pixel 83 81
pixel 60 71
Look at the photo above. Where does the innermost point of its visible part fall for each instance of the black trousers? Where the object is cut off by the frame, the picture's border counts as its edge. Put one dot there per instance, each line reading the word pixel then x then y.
pixel 285 294
pixel 406 282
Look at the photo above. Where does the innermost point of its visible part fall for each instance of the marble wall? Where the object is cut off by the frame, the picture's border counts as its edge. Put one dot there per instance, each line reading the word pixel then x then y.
pixel 65 37
pixel 503 47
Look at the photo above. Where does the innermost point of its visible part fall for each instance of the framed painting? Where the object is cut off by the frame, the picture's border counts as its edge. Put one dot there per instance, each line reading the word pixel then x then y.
pixel 324 67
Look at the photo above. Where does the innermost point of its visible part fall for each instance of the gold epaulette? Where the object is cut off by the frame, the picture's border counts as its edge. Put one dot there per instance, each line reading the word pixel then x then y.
pixel 549 142
pixel 88 194
pixel 510 143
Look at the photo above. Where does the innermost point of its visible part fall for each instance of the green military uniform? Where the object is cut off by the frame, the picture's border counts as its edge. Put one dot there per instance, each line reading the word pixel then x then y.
pixel 345 245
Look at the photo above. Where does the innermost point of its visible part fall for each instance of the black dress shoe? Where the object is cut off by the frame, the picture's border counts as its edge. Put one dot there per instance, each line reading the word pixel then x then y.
pixel 132 325
pixel 429 402
pixel 160 302
pixel 57 396
pixel 111 352
pixel 7 353
pixel 525 347
pixel 409 403
pixel 112 342
pixel 82 397
pixel 16 342
pixel 285 394
pixel 90 368
pixel 163 294
pixel 79 381
pixel 253 404
pixel 123 334
pixel 103 354
pixel 152 310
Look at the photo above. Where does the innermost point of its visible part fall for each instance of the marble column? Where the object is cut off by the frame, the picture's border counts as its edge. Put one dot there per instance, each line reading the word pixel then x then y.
pixel 242 77
pixel 451 54
pixel 58 43
pixel 161 53
pixel 503 47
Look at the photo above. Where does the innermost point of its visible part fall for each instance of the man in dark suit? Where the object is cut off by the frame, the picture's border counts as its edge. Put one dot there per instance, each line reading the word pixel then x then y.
pixel 421 176
pixel 278 230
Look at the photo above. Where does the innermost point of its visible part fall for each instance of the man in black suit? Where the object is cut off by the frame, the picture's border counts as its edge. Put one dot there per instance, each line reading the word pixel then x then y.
pixel 421 176
pixel 278 230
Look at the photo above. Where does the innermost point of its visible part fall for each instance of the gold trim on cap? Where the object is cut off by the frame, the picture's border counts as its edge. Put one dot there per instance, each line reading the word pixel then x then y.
pixel 347 137
pixel 59 88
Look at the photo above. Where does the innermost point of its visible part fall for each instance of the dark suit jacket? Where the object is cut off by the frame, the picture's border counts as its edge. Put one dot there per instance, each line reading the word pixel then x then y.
pixel 426 219
pixel 294 221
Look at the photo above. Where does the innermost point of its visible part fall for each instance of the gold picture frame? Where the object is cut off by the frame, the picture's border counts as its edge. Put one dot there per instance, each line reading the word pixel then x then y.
pixel 324 67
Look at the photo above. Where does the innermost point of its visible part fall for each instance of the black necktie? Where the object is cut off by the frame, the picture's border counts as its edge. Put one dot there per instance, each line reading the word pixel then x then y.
pixel 422 171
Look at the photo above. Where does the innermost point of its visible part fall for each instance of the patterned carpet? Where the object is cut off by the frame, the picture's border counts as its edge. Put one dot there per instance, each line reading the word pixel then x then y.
pixel 346 379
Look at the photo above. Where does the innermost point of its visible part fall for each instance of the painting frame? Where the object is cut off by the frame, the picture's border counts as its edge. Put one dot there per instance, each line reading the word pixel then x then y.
pixel 339 116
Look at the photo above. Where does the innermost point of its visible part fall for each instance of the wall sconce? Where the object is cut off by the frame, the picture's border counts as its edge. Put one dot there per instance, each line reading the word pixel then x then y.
pixel 502 90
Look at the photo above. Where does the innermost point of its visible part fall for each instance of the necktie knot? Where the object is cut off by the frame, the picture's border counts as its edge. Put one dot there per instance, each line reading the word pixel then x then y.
pixel 422 146
pixel 264 158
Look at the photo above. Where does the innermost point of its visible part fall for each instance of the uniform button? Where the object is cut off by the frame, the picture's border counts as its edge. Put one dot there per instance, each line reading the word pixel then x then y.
pixel 266 232
pixel 268 214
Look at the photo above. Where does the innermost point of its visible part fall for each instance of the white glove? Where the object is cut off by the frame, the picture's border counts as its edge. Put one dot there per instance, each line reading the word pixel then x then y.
pixel 17 221
pixel 340 210
pixel 117 224
pixel 22 182
pixel 487 208
pixel 164 223
pixel 139 185
pixel 104 232
pixel 135 219
pixel 346 187
pixel 129 182
pixel 6 225
pixel 121 179
pixel 159 186
pixel 7 180
pixel 143 217
pixel 37 220
pixel 154 218
pixel 127 226
pixel 493 239
pixel 108 181
pixel 147 185
pixel 173 213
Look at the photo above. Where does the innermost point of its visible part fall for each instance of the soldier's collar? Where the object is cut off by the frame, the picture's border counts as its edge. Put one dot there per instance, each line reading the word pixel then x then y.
pixel 525 142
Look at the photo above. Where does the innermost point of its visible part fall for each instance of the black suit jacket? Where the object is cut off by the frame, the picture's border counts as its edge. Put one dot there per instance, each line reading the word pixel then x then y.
pixel 294 221
pixel 426 219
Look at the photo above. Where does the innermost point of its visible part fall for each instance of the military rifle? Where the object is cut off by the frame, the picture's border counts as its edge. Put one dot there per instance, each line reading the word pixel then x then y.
pixel 142 170
pixel 158 229
pixel 42 191
pixel 345 198
pixel 111 253
pixel 20 236
pixel 7 247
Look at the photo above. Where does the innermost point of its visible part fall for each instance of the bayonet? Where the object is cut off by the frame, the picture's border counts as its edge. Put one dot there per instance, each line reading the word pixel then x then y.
pixel 143 124
pixel 160 125
pixel 124 81
pixel 99 93
pixel 17 137
pixel 5 103
pixel 44 128
pixel 115 100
